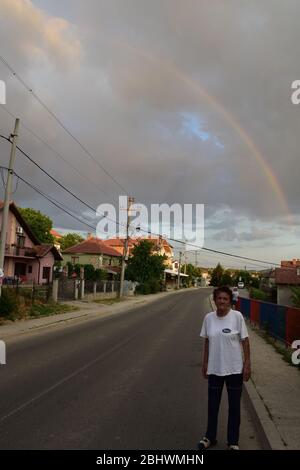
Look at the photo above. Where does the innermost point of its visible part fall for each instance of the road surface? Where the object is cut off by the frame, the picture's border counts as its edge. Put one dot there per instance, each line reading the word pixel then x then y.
pixel 128 381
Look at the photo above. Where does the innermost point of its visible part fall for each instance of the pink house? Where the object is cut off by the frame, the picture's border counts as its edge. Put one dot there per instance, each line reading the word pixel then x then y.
pixel 25 256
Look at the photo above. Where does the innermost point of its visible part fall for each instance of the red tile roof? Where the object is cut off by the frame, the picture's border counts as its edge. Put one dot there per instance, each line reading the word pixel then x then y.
pixel 287 276
pixel 292 263
pixel 92 246
pixel 119 242
pixel 43 250
pixel 55 234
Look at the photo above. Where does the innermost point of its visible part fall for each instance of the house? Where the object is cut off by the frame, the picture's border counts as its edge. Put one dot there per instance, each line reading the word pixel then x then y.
pixel 25 257
pixel 285 278
pixel 171 278
pixel 294 263
pixel 94 251
pixel 57 236
pixel 267 279
pixel 160 246
pixel 205 277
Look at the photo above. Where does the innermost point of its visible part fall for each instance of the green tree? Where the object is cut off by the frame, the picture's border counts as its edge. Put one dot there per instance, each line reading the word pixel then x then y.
pixel 216 276
pixel 143 266
pixel 296 296
pixel 226 279
pixel 258 294
pixel 193 273
pixel 254 282
pixel 70 239
pixel 39 224
pixel 244 275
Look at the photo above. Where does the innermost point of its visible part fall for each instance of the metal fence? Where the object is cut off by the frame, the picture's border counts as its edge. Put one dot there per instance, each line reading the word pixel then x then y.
pixel 281 322
pixel 32 293
pixel 67 288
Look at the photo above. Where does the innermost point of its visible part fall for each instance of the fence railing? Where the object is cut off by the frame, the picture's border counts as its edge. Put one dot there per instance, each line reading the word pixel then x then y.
pixel 72 289
pixel 12 250
pixel 281 322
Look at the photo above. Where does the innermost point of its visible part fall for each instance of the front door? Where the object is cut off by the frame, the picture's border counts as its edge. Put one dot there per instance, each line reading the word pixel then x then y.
pixel 20 269
pixel 46 274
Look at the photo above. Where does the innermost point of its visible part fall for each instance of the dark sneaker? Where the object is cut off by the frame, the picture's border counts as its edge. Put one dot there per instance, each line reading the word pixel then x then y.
pixel 205 443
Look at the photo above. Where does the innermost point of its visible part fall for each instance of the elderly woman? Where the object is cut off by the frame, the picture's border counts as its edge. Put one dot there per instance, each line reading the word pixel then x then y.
pixel 224 331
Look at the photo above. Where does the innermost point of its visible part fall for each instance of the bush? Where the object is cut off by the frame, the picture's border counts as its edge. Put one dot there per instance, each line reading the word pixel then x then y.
pixel 8 303
pixel 150 287
pixel 258 294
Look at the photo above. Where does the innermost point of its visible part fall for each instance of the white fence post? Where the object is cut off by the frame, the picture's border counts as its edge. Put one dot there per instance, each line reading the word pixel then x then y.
pixel 55 290
pixel 2 353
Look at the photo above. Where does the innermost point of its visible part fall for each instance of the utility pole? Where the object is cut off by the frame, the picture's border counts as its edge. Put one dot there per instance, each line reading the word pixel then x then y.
pixel 8 191
pixel 184 263
pixel 130 200
pixel 179 267
pixel 196 262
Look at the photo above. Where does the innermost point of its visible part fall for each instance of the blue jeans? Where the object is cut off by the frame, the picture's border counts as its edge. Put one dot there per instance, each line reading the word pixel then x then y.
pixel 234 385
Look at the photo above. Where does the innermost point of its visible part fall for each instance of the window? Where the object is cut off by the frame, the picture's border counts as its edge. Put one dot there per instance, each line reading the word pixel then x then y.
pixel 20 241
pixel 46 273
pixel 29 269
pixel 74 260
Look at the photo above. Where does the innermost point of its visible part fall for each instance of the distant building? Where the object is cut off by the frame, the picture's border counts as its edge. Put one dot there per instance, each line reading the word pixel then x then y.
pixel 160 246
pixel 94 251
pixel 26 259
pixel 286 277
pixel 57 236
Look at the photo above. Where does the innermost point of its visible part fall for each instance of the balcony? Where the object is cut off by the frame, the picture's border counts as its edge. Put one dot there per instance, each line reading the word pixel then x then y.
pixel 21 252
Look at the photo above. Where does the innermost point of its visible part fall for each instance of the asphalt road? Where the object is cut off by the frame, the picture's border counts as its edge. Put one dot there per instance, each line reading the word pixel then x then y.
pixel 128 381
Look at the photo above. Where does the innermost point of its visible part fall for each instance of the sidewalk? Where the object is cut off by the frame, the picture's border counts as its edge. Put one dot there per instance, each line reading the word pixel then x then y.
pixel 87 311
pixel 273 395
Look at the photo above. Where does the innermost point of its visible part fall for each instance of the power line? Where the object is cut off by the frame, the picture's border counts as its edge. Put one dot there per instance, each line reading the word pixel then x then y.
pixel 55 152
pixel 50 199
pixel 51 177
pixel 66 129
pixel 210 250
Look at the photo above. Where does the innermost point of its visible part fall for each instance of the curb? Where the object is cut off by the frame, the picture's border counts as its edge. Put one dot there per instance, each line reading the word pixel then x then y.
pixel 265 427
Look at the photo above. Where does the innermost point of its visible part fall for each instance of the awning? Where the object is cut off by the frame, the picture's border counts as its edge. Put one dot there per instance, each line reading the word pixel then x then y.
pixel 175 273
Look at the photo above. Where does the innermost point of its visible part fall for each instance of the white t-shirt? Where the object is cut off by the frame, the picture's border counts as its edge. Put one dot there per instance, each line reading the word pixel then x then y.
pixel 224 335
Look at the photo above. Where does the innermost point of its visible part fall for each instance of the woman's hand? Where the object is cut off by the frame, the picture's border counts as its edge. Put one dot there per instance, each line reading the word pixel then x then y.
pixel 246 371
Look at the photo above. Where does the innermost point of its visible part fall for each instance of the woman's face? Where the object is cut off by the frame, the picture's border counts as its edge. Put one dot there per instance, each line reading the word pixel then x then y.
pixel 223 302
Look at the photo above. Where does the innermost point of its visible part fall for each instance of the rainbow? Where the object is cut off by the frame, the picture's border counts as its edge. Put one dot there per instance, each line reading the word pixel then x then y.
pixel 228 117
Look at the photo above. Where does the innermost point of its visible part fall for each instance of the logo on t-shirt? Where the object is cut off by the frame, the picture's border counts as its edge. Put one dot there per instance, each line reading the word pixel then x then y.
pixel 226 330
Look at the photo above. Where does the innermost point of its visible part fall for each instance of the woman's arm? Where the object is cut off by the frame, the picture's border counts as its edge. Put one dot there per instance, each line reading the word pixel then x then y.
pixel 247 362
pixel 205 359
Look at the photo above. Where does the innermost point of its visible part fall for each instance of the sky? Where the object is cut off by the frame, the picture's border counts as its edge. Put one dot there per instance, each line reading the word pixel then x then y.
pixel 169 101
